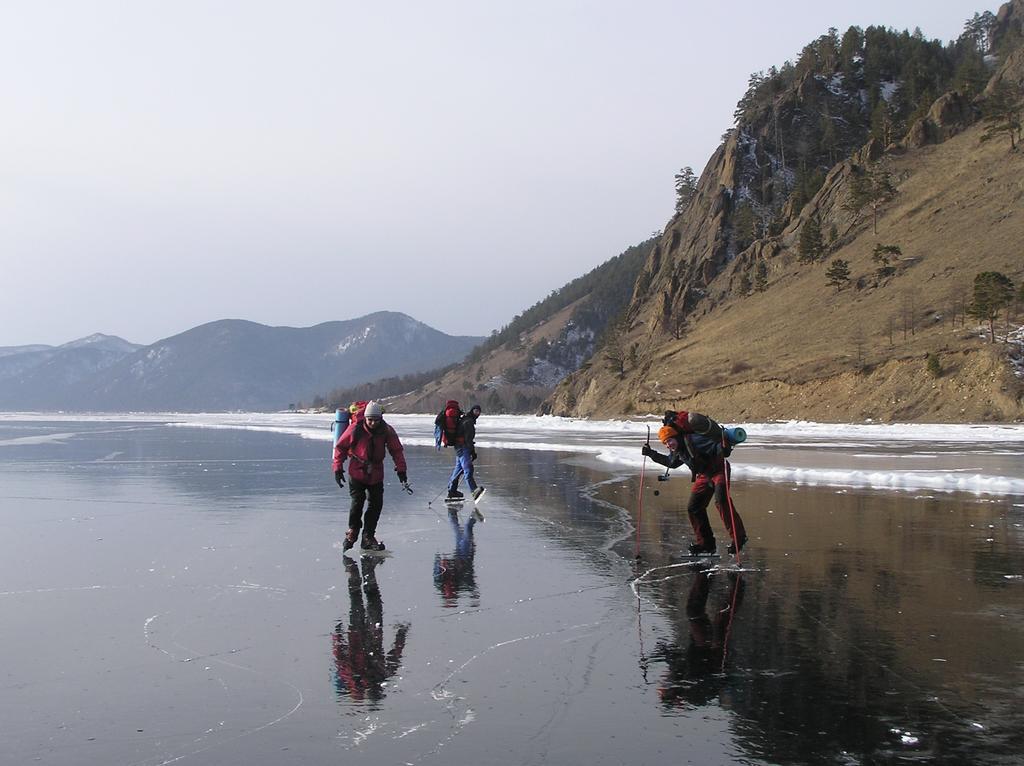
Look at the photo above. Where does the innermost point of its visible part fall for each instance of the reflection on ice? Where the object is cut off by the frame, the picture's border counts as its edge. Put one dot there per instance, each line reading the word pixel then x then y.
pixel 362 667
pixel 453 572
pixel 697 655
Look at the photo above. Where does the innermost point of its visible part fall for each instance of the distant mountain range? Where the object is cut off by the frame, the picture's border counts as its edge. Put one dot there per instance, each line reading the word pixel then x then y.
pixel 516 369
pixel 229 364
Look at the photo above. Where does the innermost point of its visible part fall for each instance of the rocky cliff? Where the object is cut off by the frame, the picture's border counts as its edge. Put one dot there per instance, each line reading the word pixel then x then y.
pixel 733 311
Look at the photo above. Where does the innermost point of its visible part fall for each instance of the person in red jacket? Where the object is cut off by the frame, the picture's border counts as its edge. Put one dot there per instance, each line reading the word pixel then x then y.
pixel 364 443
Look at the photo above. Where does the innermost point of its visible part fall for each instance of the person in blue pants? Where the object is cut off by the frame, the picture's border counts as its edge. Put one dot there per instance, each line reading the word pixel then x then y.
pixel 465 454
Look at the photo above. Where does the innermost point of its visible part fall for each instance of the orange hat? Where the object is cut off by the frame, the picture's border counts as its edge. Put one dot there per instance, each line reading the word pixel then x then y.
pixel 665 433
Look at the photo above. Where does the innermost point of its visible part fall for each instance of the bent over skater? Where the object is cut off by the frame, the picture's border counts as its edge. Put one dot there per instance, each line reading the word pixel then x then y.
pixel 701 444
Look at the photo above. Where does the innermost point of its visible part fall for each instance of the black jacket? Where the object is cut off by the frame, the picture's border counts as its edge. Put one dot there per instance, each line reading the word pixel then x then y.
pixel 467 431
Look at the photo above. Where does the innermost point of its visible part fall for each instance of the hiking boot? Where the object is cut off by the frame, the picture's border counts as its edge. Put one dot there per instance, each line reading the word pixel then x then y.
pixel 350 540
pixel 703 550
pixel 477 493
pixel 454 494
pixel 370 543
pixel 732 546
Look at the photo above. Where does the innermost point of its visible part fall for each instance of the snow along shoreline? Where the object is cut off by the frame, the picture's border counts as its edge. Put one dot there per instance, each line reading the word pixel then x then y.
pixel 982 459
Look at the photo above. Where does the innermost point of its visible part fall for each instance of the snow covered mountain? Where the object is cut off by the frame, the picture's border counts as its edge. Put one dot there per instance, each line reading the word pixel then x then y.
pixel 224 365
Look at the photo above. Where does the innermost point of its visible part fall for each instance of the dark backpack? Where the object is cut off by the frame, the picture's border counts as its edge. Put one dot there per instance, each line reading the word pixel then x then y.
pixel 446 424
pixel 693 423
pixel 702 440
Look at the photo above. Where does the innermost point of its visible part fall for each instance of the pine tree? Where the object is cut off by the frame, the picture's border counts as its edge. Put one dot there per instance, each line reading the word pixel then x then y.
pixel 744 226
pixel 882 124
pixel 806 185
pixel 993 292
pixel 811 246
pixel 686 187
pixel 884 255
pixel 829 143
pixel 850 52
pixel 1001 112
pixel 615 352
pixel 761 276
pixel 751 97
pixel 978 31
pixel 858 194
pixel 971 75
pixel 869 188
pixel 838 273
pixel 828 51
pixel 745 285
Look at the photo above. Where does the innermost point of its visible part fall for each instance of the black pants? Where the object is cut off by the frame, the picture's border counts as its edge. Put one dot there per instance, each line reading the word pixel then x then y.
pixel 359 491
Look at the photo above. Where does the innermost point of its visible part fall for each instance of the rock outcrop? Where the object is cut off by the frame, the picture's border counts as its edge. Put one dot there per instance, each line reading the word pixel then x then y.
pixel 713 312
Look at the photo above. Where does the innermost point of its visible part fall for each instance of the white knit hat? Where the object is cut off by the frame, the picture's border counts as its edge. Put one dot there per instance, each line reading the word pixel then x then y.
pixel 373 409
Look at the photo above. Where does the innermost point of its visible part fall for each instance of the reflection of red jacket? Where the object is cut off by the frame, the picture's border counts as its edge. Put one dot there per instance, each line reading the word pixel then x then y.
pixel 366 449
pixel 360 665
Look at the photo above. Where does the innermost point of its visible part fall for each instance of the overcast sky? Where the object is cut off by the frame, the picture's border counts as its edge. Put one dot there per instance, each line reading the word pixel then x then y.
pixel 170 163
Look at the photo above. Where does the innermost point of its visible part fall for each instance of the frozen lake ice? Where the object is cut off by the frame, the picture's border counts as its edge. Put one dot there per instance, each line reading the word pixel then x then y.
pixel 176 595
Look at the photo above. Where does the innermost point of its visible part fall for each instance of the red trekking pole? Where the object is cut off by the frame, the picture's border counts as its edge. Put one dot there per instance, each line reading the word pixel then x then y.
pixel 640 496
pixel 732 513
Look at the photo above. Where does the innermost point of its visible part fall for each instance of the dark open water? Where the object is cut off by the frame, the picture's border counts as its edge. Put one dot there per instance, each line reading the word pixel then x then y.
pixel 177 596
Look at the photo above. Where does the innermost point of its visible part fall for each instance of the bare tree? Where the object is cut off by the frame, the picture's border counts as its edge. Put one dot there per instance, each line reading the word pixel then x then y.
pixel 859 343
pixel 672 320
pixel 908 311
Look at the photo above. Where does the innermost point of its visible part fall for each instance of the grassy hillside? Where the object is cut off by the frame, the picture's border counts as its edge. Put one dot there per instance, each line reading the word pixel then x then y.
pixel 750 328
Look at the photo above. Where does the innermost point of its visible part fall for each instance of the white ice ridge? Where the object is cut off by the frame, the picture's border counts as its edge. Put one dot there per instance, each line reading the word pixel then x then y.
pixel 23 441
pixel 319 426
pixel 938 480
pixel 975 458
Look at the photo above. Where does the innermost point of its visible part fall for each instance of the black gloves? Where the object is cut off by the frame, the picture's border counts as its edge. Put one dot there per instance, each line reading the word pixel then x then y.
pixel 472 455
pixel 339 476
pixel 402 477
pixel 646 450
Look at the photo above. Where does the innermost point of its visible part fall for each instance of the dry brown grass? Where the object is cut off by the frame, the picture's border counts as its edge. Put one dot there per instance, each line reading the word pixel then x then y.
pixel 959 211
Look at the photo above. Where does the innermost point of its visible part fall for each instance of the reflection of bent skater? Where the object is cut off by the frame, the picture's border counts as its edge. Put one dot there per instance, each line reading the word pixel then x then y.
pixel 695 675
pixel 453 574
pixel 360 664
